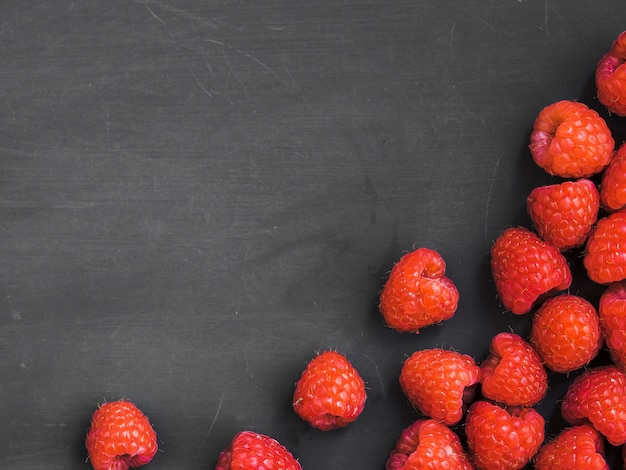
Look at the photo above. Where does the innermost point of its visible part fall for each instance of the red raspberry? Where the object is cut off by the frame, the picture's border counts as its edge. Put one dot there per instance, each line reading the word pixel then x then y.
pixel 605 251
pixel 428 444
pixel 513 373
pixel 564 214
pixel 525 268
pixel 571 140
pixel 598 396
pixel 120 437
pixel 251 451
pixel 575 448
pixel 439 383
pixel 612 312
pixel 611 77
pixel 330 393
pixel 613 184
pixel 417 293
pixel 566 333
pixel 501 438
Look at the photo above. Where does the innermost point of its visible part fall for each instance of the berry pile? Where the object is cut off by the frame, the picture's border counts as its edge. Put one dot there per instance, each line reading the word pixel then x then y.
pixel 481 415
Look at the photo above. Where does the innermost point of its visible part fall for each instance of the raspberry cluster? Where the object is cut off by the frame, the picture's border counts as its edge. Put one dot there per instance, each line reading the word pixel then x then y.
pixel 481 415
pixel 580 217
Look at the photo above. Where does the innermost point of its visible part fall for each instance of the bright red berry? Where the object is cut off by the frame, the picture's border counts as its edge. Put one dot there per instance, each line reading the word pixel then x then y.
pixel 576 448
pixel 428 444
pixel 120 437
pixel 252 451
pixel 502 438
pixel 612 312
pixel 613 184
pixel 566 332
pixel 525 268
pixel 611 77
pixel 513 374
pixel 598 396
pixel 330 393
pixel 571 140
pixel 439 383
pixel 417 293
pixel 605 250
pixel 564 214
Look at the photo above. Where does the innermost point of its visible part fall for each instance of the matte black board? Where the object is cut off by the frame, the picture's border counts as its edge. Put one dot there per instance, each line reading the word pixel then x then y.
pixel 196 196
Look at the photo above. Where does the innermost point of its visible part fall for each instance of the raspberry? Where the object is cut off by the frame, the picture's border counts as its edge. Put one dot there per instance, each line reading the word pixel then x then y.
pixel 428 444
pixel 613 184
pixel 120 437
pixel 564 214
pixel 598 396
pixel 417 293
pixel 439 382
pixel 251 451
pixel 575 448
pixel 611 77
pixel 612 312
pixel 513 374
pixel 330 393
pixel 605 250
pixel 502 438
pixel 525 268
pixel 571 140
pixel 566 333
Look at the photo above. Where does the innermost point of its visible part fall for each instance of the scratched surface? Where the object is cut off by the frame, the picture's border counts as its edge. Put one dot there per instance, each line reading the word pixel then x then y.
pixel 196 196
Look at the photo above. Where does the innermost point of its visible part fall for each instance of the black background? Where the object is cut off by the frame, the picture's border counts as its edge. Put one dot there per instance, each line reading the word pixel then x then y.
pixel 196 196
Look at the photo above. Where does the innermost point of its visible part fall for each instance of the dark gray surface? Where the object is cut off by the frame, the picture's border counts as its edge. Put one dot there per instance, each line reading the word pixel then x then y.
pixel 197 196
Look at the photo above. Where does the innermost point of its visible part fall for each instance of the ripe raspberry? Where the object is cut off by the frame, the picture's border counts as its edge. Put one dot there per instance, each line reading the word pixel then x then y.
pixel 564 214
pixel 612 312
pixel 575 448
pixel 566 333
pixel 120 437
pixel 330 393
pixel 571 140
pixel 417 293
pixel 613 184
pixel 598 396
pixel 513 374
pixel 605 251
pixel 251 451
pixel 502 438
pixel 428 444
pixel 525 268
pixel 439 383
pixel 611 77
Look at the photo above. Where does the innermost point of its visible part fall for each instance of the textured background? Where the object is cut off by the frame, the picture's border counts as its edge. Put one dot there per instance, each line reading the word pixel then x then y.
pixel 196 196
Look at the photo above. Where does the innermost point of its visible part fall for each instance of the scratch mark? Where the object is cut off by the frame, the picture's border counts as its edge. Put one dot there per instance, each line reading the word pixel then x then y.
pixel 180 12
pixel 486 23
pixel 490 193
pixel 232 70
pixel 452 34
pixel 197 80
pixel 245 54
pixel 215 41
pixel 223 45
pixel 157 17
pixel 380 380
pixel 217 413
pixel 193 74
pixel 545 19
